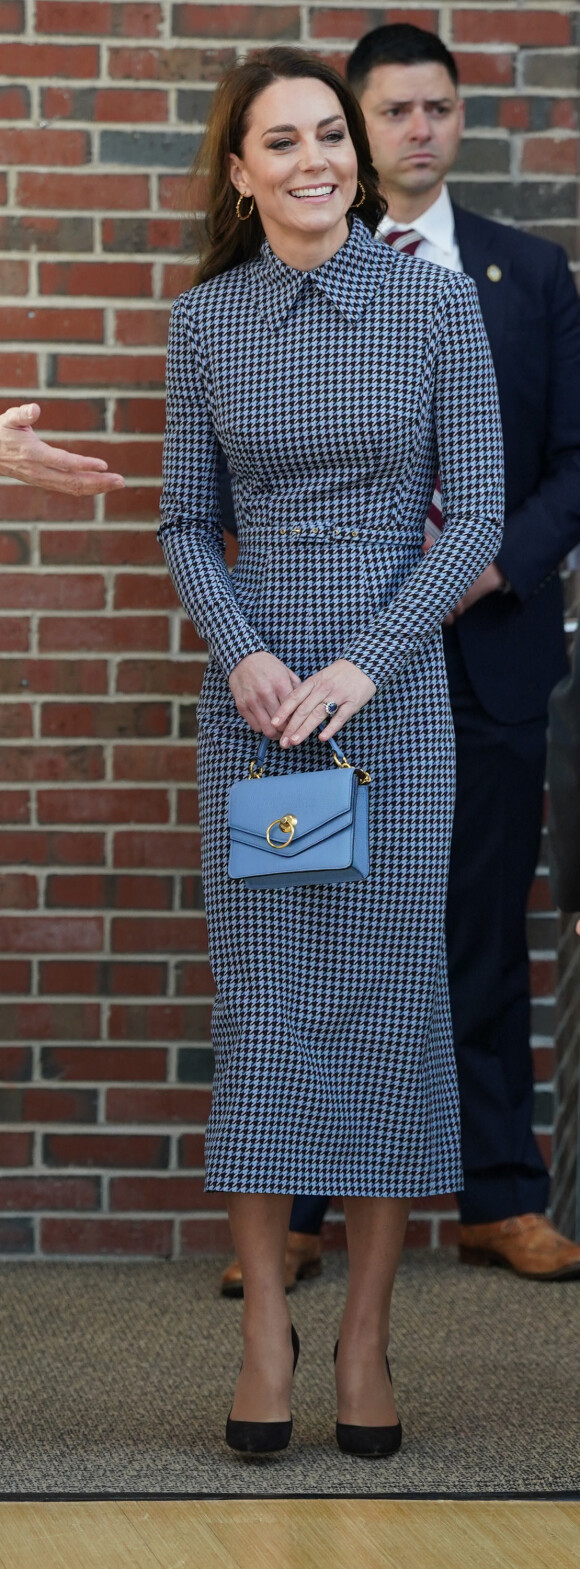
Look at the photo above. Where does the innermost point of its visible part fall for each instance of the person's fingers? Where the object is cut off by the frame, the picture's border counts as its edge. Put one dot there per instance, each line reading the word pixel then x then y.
pixel 303 721
pixel 345 712
pixel 254 710
pixel 298 694
pixel 578 927
pixel 67 462
pixel 95 484
pixel 283 686
pixel 77 484
pixel 24 414
pixel 259 720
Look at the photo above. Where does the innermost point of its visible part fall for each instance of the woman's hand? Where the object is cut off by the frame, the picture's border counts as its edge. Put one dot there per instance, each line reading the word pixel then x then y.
pixel 304 708
pixel 25 457
pixel 258 686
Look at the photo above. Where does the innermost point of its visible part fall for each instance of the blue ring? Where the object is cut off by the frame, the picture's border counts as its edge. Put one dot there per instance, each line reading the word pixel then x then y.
pixel 331 709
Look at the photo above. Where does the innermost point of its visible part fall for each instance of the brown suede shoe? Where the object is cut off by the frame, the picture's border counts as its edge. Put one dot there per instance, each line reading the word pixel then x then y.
pixel 302 1262
pixel 528 1244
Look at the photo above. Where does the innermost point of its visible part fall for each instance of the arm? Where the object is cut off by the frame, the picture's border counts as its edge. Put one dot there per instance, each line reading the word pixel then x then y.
pixel 470 449
pixel 191 531
pixel 564 788
pixel 25 457
pixel 547 525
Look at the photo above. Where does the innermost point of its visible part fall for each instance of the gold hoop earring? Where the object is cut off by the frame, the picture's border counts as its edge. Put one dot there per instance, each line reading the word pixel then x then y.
pixel 243 216
pixel 363 197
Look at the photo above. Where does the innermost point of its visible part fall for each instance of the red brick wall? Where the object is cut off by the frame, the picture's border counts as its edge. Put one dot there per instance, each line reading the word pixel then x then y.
pixel 106 987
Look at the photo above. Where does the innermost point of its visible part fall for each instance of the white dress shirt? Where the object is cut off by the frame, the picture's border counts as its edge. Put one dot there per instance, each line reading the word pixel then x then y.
pixel 437 226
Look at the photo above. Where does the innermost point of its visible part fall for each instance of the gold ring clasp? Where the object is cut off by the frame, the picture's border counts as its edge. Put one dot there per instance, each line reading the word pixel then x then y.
pixel 288 825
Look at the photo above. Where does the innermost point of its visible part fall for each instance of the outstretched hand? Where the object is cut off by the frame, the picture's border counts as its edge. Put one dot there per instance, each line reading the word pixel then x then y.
pixel 305 707
pixel 25 457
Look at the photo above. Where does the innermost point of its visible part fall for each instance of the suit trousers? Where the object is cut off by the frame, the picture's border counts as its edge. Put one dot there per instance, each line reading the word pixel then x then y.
pixel 494 851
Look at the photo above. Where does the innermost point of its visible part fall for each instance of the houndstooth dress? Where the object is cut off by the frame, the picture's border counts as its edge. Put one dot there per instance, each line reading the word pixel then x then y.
pixel 336 395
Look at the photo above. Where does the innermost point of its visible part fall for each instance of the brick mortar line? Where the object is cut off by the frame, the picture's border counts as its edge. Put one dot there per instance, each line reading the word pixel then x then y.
pixel 61 1172
pixel 83 302
pixel 89 350
pixel 501 90
pixel 188 999
pixel 128 1129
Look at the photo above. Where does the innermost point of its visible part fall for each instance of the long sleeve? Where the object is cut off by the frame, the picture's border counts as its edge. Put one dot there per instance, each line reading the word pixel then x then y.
pixel 191 531
pixel 547 525
pixel 469 441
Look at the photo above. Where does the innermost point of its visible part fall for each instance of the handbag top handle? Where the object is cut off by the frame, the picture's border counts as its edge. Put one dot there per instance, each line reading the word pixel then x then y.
pixel 256 768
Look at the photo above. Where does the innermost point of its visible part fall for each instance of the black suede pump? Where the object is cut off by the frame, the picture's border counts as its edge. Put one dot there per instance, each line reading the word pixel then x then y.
pixel 262 1438
pixel 372 1443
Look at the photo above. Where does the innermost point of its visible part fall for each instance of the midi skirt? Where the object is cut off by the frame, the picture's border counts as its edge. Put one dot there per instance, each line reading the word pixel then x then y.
pixel 334 1064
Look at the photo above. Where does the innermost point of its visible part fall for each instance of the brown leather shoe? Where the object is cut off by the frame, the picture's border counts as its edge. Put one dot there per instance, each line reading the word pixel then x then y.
pixel 302 1262
pixel 528 1244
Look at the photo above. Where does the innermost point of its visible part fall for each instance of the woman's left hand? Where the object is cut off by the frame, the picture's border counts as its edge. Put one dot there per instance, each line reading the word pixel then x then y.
pixel 304 709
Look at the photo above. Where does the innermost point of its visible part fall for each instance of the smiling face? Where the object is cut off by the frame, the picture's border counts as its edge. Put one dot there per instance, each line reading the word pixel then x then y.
pixel 299 163
pixel 414 120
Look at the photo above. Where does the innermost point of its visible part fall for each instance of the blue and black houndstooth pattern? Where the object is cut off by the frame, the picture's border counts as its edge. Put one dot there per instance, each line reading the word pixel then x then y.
pixel 336 395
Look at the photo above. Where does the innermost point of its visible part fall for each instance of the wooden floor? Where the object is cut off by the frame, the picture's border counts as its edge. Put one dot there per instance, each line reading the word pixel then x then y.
pixel 290 1534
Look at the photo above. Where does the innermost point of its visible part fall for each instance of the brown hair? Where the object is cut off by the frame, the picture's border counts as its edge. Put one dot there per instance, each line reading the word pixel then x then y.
pixel 227 242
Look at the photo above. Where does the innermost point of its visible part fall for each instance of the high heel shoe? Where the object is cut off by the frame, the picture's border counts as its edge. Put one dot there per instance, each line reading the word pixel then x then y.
pixel 262 1438
pixel 370 1442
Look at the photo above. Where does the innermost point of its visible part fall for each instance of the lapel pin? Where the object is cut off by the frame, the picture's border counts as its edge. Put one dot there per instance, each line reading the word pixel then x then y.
pixel 494 273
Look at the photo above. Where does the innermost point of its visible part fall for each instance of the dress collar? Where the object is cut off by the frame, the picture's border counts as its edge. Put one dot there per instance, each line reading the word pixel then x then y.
pixel 349 279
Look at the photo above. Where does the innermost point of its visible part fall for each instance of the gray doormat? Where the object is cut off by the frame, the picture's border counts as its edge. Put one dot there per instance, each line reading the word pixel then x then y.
pixel 116 1381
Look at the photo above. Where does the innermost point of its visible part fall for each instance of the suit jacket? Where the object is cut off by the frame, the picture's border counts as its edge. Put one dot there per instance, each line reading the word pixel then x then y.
pixel 513 645
pixel 564 782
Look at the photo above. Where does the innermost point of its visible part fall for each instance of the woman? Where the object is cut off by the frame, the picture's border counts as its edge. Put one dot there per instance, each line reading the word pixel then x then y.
pixel 337 377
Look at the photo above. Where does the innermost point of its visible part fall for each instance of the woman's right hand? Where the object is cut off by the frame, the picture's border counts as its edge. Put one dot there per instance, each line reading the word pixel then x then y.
pixel 259 684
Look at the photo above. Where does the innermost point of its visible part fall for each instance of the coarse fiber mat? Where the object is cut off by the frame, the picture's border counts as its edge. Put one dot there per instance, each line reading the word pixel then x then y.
pixel 117 1379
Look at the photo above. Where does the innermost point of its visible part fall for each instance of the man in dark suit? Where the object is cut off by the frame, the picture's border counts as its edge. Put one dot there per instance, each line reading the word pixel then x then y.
pixel 504 647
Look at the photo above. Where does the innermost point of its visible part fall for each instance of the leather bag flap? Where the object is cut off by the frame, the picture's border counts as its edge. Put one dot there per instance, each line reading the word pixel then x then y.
pixel 322 803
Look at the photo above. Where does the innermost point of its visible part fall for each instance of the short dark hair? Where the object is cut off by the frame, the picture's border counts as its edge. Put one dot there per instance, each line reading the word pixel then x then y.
pixel 399 44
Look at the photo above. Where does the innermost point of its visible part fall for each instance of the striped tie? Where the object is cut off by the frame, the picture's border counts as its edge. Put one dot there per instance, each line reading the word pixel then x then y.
pixel 407 241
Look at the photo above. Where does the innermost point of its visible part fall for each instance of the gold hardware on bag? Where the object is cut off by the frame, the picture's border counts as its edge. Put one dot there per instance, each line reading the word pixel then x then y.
pixel 361 773
pixel 255 773
pixel 287 824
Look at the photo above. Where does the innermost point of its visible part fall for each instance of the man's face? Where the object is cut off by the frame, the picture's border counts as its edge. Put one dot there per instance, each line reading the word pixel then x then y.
pixel 414 120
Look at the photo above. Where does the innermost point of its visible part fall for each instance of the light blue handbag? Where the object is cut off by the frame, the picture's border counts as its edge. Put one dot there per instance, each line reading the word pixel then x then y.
pixel 298 828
